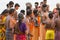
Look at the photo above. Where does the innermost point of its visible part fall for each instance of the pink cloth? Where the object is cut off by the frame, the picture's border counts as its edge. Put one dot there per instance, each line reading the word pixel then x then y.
pixel 21 37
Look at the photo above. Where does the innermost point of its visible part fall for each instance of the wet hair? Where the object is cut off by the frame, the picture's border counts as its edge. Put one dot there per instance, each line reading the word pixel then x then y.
pixel 29 12
pixel 4 12
pixel 22 11
pixel 44 5
pixel 17 5
pixel 50 15
pixel 11 2
pixel 37 3
pixel 7 5
pixel 35 12
pixel 11 11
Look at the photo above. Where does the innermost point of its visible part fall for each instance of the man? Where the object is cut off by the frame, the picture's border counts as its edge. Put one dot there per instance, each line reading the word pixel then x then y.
pixel 10 23
pixel 11 3
pixel 36 6
pixel 36 20
pixel 57 28
pixel 57 8
pixel 17 6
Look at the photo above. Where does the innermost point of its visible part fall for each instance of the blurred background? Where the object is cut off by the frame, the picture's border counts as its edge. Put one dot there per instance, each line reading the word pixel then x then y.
pixel 22 3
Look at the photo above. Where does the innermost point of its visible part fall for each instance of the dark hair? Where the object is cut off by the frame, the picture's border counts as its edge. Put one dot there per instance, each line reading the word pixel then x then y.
pixel 37 3
pixel 50 15
pixel 20 17
pixel 4 12
pixel 7 5
pixel 22 11
pixel 44 5
pixel 29 12
pixel 35 12
pixel 44 0
pixel 17 5
pixel 11 11
pixel 41 2
pixel 11 2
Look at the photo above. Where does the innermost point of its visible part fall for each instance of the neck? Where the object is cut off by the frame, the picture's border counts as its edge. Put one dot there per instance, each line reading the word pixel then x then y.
pixel 11 15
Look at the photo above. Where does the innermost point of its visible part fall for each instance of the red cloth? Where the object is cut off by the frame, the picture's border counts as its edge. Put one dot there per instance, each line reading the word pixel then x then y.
pixel 21 37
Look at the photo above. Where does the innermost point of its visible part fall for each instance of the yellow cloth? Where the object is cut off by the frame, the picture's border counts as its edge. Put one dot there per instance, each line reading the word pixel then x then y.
pixel 50 34
pixel 3 20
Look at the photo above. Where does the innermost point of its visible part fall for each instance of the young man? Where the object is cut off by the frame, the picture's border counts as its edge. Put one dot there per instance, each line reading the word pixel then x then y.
pixel 50 26
pixel 10 23
pixel 17 6
pixel 36 5
pixel 57 28
pixel 11 3
pixel 57 8
pixel 36 20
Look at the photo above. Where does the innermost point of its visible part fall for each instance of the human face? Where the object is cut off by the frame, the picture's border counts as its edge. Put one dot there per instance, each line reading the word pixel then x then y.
pixel 44 2
pixel 16 7
pixel 36 5
pixel 13 13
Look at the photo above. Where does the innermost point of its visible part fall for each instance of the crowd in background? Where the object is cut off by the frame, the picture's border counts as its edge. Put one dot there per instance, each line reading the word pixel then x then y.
pixel 37 23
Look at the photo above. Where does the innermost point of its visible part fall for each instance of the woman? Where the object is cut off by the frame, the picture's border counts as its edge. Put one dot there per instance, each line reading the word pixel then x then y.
pixel 37 21
pixel 20 28
pixel 4 15
pixel 1 31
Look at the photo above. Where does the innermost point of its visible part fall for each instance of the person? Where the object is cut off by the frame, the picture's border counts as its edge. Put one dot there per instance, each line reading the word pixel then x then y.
pixel 44 17
pixel 50 26
pixel 36 5
pixel 4 15
pixel 57 8
pixel 7 7
pixel 57 27
pixel 17 6
pixel 23 12
pixel 37 21
pixel 10 24
pixel 1 30
pixel 20 28
pixel 11 3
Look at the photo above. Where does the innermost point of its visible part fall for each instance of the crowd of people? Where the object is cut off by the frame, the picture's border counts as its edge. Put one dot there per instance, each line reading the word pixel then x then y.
pixel 37 23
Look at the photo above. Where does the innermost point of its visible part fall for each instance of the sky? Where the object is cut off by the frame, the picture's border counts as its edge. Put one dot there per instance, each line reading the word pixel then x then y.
pixel 22 3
